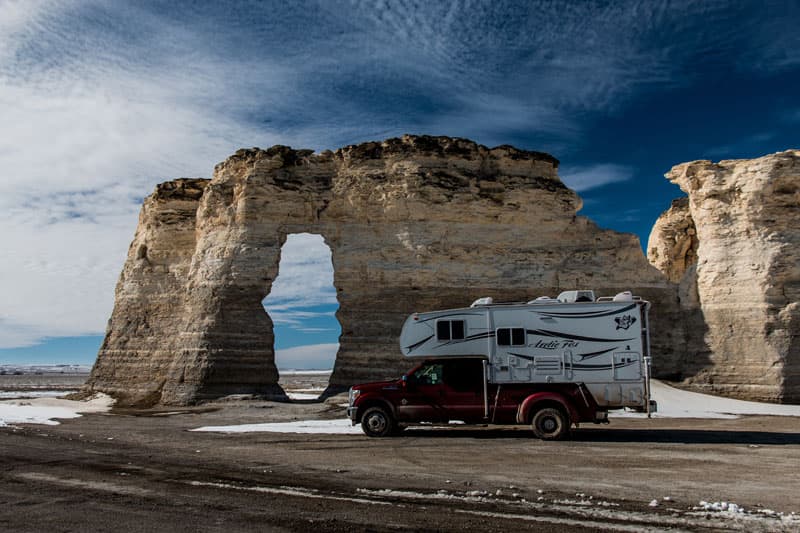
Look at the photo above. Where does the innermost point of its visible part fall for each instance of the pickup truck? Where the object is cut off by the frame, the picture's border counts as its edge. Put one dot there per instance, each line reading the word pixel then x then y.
pixel 457 389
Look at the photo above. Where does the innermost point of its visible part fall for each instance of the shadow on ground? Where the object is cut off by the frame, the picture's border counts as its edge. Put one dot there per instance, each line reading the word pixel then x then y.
pixel 688 436
pixel 665 436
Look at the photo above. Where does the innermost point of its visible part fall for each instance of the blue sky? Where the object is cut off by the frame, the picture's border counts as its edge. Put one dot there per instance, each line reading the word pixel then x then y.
pixel 101 100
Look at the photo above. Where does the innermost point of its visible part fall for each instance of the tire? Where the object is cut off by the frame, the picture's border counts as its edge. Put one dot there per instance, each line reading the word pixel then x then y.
pixel 550 423
pixel 377 422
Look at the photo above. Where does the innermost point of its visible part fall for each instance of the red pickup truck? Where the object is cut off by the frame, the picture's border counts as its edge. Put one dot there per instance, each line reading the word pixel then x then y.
pixel 447 390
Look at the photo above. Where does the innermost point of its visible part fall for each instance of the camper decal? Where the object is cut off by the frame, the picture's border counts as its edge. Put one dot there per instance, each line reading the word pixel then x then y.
pixel 595 354
pixel 555 345
pixel 624 322
pixel 558 334
pixel 584 314
pixel 418 344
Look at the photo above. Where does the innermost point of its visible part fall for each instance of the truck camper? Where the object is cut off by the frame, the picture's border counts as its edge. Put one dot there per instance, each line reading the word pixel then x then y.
pixel 551 363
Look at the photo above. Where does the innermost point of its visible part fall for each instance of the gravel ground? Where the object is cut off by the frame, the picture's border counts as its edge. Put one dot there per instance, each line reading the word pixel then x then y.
pixel 145 471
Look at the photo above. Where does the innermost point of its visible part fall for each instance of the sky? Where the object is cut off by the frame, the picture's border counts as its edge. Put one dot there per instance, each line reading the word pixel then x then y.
pixel 102 100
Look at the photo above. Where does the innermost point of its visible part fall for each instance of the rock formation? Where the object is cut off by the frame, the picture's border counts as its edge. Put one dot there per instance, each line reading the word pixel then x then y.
pixel 672 246
pixel 742 298
pixel 413 223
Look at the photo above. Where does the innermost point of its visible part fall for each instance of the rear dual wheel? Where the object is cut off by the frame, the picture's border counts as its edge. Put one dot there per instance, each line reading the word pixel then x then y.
pixel 550 423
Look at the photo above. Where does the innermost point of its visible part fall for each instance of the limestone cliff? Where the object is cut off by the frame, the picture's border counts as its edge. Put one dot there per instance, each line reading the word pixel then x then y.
pixel 672 246
pixel 745 287
pixel 413 223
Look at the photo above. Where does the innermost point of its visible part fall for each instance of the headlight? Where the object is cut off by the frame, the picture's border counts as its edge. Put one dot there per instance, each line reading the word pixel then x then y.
pixel 353 395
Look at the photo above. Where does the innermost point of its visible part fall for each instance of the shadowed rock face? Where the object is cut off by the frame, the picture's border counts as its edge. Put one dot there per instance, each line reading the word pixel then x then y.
pixel 742 299
pixel 413 224
pixel 672 246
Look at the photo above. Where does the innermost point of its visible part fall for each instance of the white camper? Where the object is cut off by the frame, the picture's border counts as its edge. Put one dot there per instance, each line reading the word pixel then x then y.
pixel 602 343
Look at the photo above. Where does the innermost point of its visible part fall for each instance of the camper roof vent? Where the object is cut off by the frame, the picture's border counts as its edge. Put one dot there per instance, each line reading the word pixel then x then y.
pixel 486 300
pixel 625 296
pixel 576 296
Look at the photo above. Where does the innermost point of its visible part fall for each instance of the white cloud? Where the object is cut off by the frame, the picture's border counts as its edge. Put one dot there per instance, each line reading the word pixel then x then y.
pixel 99 102
pixel 305 278
pixel 57 279
pixel 585 178
pixel 80 145
pixel 313 356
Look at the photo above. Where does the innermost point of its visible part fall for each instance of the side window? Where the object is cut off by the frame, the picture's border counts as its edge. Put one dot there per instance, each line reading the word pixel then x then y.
pixel 450 330
pixel 510 336
pixel 443 330
pixel 429 375
pixel 464 376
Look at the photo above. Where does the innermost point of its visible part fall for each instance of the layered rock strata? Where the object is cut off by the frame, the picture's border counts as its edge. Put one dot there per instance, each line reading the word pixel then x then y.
pixel 413 224
pixel 742 298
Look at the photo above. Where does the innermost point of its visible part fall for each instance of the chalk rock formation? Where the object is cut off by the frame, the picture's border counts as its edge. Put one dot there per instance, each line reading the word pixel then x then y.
pixel 746 284
pixel 137 357
pixel 672 246
pixel 413 223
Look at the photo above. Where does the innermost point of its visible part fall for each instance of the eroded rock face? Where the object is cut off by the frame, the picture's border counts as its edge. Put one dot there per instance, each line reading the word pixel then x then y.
pixel 746 283
pixel 138 354
pixel 672 246
pixel 414 223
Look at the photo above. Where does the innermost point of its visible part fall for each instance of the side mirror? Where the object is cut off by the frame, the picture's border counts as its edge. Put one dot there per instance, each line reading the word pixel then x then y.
pixel 404 379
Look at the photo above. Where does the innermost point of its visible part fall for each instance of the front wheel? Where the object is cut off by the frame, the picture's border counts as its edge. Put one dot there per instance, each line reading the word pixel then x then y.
pixel 550 423
pixel 377 422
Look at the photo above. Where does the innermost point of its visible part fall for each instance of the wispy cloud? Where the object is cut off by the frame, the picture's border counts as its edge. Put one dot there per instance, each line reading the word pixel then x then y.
pixel 87 131
pixel 792 116
pixel 305 276
pixel 313 356
pixel 99 102
pixel 586 178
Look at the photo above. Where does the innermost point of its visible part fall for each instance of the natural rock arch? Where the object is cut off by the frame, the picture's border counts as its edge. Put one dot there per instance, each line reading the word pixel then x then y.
pixel 413 223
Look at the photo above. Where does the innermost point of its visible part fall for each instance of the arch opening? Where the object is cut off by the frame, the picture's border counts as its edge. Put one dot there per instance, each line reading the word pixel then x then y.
pixel 302 305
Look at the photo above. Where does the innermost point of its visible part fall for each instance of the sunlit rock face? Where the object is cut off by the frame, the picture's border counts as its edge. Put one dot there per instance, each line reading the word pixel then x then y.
pixel 742 298
pixel 141 346
pixel 413 224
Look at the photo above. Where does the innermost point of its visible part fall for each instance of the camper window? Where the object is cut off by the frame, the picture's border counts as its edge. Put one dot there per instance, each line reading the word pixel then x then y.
pixel 511 337
pixel 449 330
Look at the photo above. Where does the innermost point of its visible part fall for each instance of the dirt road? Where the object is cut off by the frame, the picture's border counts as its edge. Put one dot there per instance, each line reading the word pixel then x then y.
pixel 146 472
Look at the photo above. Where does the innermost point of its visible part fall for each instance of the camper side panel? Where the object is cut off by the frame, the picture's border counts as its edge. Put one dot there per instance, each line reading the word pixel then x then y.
pixel 452 333
pixel 599 344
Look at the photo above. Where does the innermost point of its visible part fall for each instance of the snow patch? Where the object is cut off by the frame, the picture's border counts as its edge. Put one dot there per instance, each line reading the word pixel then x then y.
pixel 339 426
pixel 35 394
pixel 676 403
pixel 45 410
pixel 302 395
pixel 727 507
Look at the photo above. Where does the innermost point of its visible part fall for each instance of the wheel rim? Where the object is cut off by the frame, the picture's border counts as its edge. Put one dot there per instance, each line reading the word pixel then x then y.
pixel 549 424
pixel 376 423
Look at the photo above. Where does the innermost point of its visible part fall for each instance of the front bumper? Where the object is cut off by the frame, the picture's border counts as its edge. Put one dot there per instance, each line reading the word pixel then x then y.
pixel 351 414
